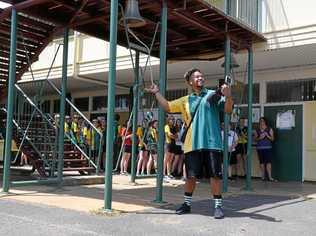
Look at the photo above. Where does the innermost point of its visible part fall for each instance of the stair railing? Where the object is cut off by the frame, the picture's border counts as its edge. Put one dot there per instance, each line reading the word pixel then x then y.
pixel 48 118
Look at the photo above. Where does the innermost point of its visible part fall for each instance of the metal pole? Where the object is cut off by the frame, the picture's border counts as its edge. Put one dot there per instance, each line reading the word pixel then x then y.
pixel 111 104
pixel 227 6
pixel 135 113
pixel 62 109
pixel 250 97
pixel 259 15
pixel 161 113
pixel 226 117
pixel 10 103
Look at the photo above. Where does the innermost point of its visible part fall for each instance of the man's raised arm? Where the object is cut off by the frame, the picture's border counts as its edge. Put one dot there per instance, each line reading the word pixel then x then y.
pixel 161 100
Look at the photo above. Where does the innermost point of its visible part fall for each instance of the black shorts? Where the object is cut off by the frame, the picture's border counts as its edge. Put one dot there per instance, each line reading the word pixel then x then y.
pixel 178 150
pixel 265 155
pixel 241 148
pixel 232 158
pixel 128 149
pixel 143 148
pixel 204 163
pixel 172 148
pixel 152 149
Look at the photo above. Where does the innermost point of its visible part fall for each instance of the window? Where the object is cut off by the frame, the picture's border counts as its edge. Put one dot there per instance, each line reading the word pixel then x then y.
pixel 45 106
pixel 123 101
pixel 99 103
pixel 56 106
pixel 240 93
pixel 246 11
pixel 174 94
pixel 148 100
pixel 291 91
pixel 82 103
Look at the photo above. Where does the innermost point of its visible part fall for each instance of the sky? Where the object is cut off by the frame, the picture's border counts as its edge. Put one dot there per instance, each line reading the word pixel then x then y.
pixel 3 5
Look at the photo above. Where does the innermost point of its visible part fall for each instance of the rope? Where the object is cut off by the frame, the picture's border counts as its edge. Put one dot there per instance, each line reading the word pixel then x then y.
pixel 128 32
pixel 241 99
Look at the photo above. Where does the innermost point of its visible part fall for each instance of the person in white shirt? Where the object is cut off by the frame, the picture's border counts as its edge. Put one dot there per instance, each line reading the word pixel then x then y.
pixel 232 143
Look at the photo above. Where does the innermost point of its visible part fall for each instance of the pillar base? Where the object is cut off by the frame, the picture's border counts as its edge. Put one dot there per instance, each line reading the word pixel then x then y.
pixel 159 201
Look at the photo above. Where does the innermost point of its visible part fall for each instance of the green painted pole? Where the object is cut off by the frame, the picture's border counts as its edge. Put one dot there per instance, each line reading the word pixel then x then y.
pixel 250 97
pixel 226 117
pixel 135 113
pixel 111 105
pixel 62 109
pixel 161 112
pixel 10 103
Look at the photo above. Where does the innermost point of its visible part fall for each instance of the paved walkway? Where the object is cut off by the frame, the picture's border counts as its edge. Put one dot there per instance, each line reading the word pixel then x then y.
pixel 271 209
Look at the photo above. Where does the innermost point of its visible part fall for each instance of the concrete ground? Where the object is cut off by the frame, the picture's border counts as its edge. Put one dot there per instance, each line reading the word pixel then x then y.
pixel 270 209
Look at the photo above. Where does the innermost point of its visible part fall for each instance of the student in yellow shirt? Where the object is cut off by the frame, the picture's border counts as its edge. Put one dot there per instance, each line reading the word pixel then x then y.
pixel 75 128
pixel 152 141
pixel 142 147
pixel 171 149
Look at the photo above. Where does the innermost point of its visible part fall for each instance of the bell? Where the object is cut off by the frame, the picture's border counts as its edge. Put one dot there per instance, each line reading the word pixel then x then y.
pixel 132 15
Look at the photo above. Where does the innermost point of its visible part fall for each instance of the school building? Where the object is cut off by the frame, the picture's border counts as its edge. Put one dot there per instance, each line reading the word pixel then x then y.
pixel 284 79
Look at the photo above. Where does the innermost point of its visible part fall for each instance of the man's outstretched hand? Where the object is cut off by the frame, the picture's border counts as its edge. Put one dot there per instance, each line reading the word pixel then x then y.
pixel 226 91
pixel 152 89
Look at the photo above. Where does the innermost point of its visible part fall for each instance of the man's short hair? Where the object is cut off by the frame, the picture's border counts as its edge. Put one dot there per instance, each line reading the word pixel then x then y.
pixel 190 72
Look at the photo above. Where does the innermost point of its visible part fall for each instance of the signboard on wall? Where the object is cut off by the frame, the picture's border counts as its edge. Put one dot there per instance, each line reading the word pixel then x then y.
pixel 285 120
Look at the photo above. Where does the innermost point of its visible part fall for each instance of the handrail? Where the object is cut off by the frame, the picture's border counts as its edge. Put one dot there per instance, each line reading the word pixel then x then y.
pixel 48 120
pixel 19 129
pixel 75 108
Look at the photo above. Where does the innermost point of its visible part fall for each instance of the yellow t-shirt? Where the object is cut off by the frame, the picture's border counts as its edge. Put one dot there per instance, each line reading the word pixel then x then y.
pixel 167 134
pixel 66 127
pixel 87 135
pixel 74 127
pixel 139 134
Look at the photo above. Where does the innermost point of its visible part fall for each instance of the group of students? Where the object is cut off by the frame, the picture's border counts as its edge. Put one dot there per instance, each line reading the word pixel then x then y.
pixel 147 144
pixel 147 138
pixel 85 136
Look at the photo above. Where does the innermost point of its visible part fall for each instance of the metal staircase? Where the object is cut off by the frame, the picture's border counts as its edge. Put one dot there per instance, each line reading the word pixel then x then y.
pixel 36 134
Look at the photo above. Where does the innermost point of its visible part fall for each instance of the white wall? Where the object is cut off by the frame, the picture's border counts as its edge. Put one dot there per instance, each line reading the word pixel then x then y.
pixel 289 23
pixel 286 14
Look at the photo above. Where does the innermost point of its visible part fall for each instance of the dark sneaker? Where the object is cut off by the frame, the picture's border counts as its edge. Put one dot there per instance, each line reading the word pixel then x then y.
pixel 218 213
pixel 184 209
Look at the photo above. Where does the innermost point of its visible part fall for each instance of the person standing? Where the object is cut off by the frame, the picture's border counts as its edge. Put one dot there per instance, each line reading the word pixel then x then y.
pixel 170 134
pixel 152 140
pixel 241 149
pixel 232 143
pixel 264 137
pixel 203 144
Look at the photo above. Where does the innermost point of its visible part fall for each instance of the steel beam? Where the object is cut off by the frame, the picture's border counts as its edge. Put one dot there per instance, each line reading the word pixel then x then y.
pixel 62 108
pixel 226 117
pixel 135 113
pixel 250 97
pixel 111 105
pixel 10 102
pixel 162 88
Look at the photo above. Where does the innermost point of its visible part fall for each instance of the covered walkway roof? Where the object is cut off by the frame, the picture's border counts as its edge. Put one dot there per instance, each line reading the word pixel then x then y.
pixel 195 28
